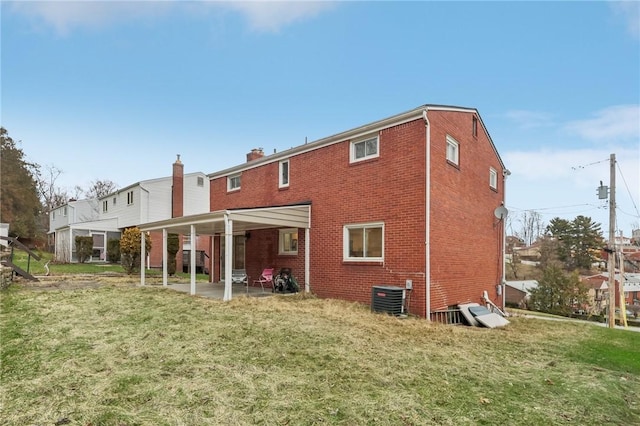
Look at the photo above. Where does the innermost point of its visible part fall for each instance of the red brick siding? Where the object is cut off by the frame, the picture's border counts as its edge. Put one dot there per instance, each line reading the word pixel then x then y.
pixel 389 189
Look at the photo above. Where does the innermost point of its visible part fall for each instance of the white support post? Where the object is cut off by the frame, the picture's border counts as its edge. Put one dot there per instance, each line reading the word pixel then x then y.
pixel 228 250
pixel 143 256
pixel 165 260
pixel 192 261
pixel 307 256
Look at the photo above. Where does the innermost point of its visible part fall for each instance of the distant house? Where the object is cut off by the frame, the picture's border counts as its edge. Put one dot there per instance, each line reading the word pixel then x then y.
pixel 386 203
pixel 517 293
pixel 105 218
pixel 599 288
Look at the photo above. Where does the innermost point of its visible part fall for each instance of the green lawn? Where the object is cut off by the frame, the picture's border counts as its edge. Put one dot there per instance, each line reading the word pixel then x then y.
pixel 150 356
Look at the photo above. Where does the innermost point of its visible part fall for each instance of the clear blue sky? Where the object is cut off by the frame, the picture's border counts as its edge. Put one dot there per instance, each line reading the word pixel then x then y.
pixel 114 90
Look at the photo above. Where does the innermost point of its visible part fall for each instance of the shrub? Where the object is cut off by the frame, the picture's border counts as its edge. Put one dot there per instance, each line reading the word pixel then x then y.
pixel 130 249
pixel 84 248
pixel 113 250
pixel 173 245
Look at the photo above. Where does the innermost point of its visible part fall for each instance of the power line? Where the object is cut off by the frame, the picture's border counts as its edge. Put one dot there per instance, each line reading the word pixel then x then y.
pixel 628 191
pixel 590 164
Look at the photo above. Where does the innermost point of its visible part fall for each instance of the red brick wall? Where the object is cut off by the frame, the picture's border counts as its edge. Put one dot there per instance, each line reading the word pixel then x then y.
pixel 466 239
pixel 389 189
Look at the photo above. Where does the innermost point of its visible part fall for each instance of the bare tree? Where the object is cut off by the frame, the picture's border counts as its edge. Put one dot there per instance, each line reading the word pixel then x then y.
pixel 99 188
pixel 51 195
pixel 531 226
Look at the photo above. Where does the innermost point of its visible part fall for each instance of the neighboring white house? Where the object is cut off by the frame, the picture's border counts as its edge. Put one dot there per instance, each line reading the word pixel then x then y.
pixel 105 218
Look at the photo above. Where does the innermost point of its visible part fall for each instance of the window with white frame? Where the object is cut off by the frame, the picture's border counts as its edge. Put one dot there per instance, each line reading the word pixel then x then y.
pixel 105 206
pixel 64 211
pixel 129 198
pixel 233 182
pixel 364 242
pixel 200 181
pixel 364 149
pixel 288 241
pixel 453 150
pixel 114 201
pixel 493 178
pixel 283 182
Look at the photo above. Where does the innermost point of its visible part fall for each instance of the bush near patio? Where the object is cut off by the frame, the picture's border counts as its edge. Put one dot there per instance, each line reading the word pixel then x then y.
pixel 84 248
pixel 130 249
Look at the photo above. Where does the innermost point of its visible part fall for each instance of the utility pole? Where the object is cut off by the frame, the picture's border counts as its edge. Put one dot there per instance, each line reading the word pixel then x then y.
pixel 612 241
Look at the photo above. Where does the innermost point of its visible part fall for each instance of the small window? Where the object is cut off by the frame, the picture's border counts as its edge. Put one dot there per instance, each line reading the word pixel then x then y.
pixel 288 242
pixel 233 183
pixel 284 174
pixel 105 206
pixel 129 198
pixel 493 178
pixel 114 201
pixel 53 214
pixel 363 242
pixel 364 149
pixel 200 181
pixel 64 211
pixel 474 127
pixel 452 150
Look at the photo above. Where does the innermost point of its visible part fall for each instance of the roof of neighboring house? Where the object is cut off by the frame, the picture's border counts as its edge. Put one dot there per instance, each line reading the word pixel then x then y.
pixel 395 120
pixel 147 181
pixel 524 285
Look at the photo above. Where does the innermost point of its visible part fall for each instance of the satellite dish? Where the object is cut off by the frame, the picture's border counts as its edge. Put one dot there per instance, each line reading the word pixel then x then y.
pixel 501 212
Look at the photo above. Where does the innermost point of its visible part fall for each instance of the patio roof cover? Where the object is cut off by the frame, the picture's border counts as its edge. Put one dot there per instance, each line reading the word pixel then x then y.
pixel 227 223
pixel 293 216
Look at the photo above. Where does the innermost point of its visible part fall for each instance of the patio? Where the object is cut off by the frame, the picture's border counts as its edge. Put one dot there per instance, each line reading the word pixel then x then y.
pixel 216 290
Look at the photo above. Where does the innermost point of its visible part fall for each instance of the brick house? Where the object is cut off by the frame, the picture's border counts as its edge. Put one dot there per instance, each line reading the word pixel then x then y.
pixel 380 204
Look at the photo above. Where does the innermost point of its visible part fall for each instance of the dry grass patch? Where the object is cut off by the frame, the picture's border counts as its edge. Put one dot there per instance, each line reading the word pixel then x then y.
pixel 117 355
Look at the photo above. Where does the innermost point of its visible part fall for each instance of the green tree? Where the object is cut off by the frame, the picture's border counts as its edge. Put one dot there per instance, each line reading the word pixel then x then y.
pixel 19 202
pixel 577 242
pixel 558 292
pixel 130 249
pixel 84 248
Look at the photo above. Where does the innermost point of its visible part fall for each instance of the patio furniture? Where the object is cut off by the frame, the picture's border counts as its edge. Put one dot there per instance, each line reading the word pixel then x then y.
pixel 265 278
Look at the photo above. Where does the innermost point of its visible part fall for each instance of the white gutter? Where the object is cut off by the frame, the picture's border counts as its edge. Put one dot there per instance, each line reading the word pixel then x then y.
pixel 427 266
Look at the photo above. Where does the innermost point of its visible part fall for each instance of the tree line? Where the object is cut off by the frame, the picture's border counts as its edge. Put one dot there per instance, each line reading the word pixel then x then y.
pixel 29 191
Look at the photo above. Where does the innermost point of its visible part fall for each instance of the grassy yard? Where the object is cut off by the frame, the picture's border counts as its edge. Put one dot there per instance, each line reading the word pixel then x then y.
pixel 119 355
pixel 37 267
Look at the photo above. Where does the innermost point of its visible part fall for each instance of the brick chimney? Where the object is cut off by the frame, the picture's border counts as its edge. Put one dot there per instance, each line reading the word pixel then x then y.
pixel 255 154
pixel 177 189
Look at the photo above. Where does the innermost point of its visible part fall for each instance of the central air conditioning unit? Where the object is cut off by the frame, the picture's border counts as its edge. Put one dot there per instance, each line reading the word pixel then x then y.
pixel 388 299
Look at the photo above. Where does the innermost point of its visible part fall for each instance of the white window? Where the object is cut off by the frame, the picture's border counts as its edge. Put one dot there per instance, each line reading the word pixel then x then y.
pixel 114 201
pixel 288 241
pixel 64 211
pixel 364 149
pixel 53 214
pixel 452 150
pixel 233 182
pixel 363 242
pixel 129 197
pixel 200 181
pixel 284 174
pixel 493 178
pixel 105 206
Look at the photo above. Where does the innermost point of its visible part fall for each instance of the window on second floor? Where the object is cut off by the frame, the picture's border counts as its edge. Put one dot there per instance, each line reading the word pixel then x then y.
pixel 129 198
pixel 105 206
pixel 233 182
pixel 288 241
pixel 200 181
pixel 114 201
pixel 283 181
pixel 493 178
pixel 453 154
pixel 64 211
pixel 474 127
pixel 364 149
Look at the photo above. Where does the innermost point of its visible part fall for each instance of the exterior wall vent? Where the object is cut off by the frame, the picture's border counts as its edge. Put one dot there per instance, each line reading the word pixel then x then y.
pixel 388 299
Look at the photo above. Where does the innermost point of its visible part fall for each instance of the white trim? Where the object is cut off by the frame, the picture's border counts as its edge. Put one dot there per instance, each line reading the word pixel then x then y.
pixel 451 142
pixel 345 242
pixel 281 248
pixel 282 184
pixel 354 142
pixel 229 180
pixel 493 178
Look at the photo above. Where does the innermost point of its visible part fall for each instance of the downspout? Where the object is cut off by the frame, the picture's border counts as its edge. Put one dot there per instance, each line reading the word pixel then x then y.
pixel 505 173
pixel 427 266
